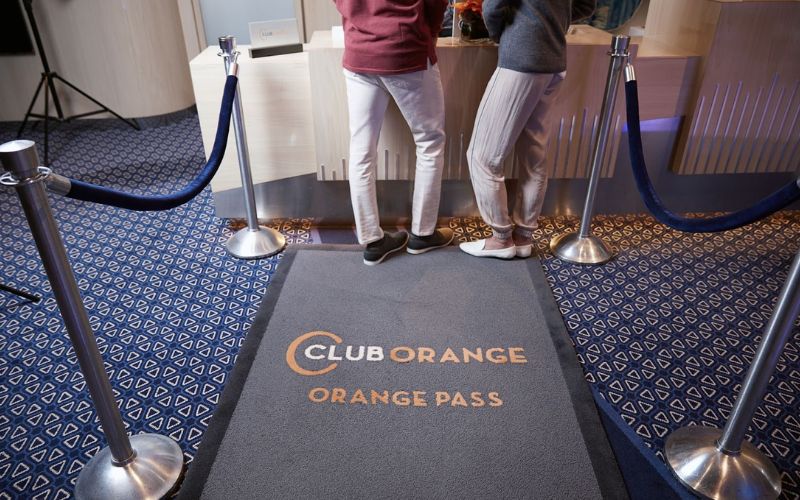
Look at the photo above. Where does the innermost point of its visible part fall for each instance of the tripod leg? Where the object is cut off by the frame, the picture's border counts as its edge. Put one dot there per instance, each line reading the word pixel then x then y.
pixel 132 123
pixel 20 293
pixel 51 82
pixel 46 120
pixel 30 108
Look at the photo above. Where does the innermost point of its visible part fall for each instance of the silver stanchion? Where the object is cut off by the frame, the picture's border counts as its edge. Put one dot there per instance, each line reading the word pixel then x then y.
pixel 582 247
pixel 254 241
pixel 145 466
pixel 720 463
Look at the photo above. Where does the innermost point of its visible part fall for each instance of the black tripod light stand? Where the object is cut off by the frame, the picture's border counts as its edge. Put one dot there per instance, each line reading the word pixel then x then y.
pixel 48 82
pixel 19 293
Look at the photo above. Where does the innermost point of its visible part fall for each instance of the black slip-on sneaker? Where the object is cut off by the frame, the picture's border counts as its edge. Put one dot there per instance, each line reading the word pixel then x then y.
pixel 389 244
pixel 421 244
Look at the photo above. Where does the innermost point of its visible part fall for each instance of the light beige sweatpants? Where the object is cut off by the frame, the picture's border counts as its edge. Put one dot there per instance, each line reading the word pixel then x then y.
pixel 420 99
pixel 512 113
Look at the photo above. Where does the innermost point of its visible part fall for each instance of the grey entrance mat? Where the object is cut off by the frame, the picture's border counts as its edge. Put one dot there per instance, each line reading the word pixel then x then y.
pixel 432 376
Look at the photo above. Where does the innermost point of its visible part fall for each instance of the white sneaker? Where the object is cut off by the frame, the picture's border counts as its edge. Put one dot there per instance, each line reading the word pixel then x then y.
pixel 524 251
pixel 476 248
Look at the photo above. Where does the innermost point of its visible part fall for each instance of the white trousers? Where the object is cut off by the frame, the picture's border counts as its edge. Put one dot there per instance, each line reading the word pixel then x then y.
pixel 421 101
pixel 512 114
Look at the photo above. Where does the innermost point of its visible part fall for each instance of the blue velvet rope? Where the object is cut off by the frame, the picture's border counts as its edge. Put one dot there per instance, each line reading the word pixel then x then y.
pixel 769 205
pixel 98 194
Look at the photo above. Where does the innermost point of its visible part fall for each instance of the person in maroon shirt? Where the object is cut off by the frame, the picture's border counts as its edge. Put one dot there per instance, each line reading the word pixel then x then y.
pixel 390 52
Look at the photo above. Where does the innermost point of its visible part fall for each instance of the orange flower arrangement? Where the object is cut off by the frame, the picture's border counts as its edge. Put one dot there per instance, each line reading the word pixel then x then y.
pixel 469 6
pixel 470 19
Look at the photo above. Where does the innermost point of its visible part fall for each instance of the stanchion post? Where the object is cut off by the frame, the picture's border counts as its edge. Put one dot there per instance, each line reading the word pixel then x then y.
pixel 144 466
pixel 254 241
pixel 583 247
pixel 722 464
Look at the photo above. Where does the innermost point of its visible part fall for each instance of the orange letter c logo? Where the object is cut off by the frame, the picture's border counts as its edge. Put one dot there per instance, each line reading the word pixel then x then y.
pixel 291 353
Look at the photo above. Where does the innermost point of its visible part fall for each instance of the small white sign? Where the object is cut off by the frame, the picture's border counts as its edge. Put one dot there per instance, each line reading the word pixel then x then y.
pixel 274 33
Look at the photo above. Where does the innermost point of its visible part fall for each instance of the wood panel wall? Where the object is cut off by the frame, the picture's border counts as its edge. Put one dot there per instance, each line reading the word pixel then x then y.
pixel 316 15
pixel 128 54
pixel 745 118
pixel 744 102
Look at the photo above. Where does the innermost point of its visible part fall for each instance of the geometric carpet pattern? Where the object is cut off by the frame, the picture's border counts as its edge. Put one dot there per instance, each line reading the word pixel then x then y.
pixel 169 307
pixel 665 331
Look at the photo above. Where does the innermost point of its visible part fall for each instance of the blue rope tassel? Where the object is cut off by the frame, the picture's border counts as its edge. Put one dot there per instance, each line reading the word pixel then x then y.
pixel 105 196
pixel 769 205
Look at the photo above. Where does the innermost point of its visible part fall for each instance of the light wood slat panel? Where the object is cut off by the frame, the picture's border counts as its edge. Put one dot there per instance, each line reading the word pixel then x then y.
pixel 329 106
pixel 747 98
pixel 686 24
pixel 465 71
pixel 665 85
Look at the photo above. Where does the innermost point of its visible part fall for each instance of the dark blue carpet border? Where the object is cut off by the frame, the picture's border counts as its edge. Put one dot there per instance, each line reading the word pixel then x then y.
pixel 645 476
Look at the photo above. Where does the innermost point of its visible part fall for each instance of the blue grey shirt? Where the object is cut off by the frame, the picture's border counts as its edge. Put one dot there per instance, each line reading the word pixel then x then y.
pixel 531 33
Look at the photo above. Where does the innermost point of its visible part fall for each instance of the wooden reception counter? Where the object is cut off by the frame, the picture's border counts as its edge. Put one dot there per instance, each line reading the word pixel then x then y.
pixel 729 69
pixel 466 68
pixel 295 108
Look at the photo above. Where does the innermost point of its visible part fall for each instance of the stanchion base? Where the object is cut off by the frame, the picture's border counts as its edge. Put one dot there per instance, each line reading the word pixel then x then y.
pixel 693 456
pixel 249 244
pixel 572 248
pixel 154 473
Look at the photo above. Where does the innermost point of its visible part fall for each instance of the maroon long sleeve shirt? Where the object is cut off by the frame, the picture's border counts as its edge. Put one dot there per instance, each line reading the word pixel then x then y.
pixel 390 36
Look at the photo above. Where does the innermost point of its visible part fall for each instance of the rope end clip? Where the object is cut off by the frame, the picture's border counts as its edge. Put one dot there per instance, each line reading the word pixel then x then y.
pixel 227 45
pixel 630 74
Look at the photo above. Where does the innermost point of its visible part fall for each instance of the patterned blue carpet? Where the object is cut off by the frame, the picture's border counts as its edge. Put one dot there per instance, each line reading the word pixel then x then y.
pixel 665 331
